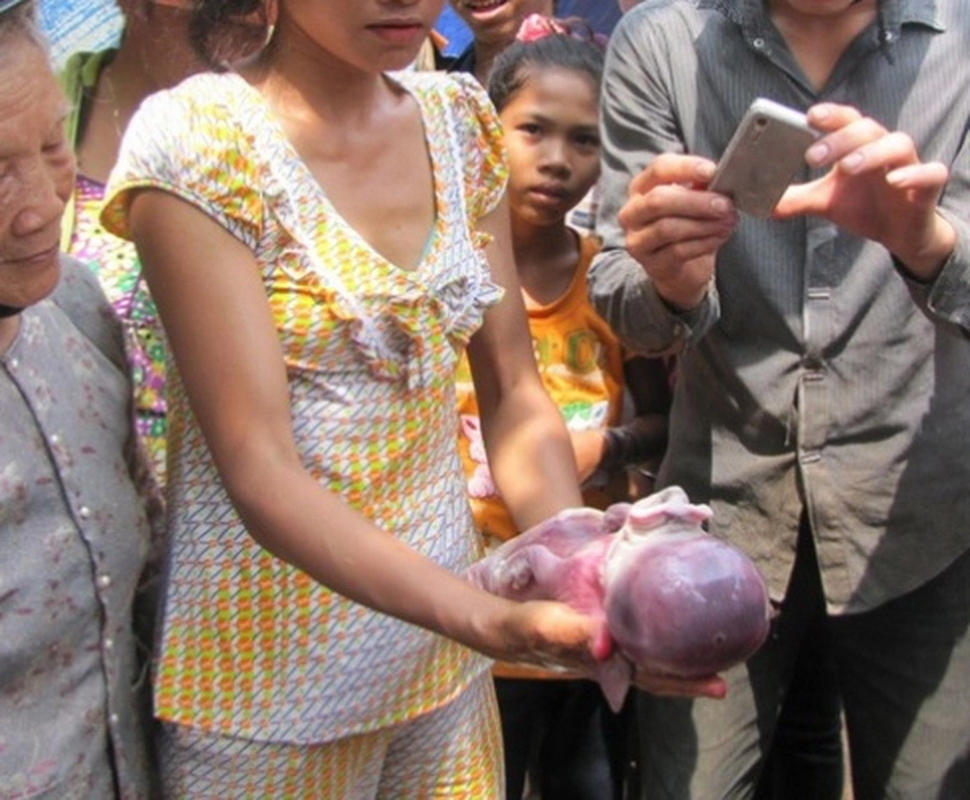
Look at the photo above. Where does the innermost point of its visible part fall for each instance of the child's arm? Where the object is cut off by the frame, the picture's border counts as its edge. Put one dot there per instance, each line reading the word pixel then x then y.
pixel 631 452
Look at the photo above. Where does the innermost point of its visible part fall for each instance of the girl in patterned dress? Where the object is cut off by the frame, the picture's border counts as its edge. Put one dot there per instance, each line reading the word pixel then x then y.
pixel 323 238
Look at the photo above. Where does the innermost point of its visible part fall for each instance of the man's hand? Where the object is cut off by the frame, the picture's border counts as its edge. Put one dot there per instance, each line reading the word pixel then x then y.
pixel 713 687
pixel 674 228
pixel 877 188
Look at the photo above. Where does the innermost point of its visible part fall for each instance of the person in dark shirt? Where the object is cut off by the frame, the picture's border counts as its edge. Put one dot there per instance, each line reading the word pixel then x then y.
pixel 820 404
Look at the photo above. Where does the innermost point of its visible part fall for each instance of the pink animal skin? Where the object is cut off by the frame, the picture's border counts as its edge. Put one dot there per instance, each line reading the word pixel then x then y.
pixel 670 598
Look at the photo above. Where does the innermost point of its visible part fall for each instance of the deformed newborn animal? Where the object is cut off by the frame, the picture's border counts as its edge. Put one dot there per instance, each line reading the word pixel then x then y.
pixel 671 599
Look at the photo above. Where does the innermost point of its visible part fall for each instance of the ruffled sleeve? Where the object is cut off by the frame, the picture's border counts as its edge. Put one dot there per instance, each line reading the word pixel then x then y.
pixel 486 167
pixel 188 141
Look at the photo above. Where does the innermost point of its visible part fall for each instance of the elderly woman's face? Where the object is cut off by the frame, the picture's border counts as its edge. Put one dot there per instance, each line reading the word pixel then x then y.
pixel 36 173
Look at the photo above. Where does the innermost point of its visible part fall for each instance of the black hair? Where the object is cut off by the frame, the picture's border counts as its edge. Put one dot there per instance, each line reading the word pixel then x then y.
pixel 221 29
pixel 515 65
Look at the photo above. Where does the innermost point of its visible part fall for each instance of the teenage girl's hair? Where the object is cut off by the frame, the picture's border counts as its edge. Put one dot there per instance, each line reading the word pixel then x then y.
pixel 558 49
pixel 221 29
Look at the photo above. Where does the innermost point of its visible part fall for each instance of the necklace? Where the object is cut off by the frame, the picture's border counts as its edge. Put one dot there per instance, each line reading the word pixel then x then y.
pixel 112 98
pixel 96 148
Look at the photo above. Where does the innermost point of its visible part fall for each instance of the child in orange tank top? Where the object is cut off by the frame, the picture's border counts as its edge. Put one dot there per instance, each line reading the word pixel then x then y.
pixel 546 90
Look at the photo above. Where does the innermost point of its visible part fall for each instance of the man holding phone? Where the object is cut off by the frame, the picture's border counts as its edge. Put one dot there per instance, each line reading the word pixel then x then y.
pixel 823 396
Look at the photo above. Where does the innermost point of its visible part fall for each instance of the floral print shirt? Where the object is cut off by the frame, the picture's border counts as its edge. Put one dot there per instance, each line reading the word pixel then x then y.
pixel 75 539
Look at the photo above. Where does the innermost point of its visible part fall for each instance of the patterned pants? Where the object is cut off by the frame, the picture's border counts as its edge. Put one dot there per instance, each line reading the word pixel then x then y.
pixel 452 752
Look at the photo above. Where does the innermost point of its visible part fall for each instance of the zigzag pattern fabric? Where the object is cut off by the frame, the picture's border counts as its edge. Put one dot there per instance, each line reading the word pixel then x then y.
pixel 453 752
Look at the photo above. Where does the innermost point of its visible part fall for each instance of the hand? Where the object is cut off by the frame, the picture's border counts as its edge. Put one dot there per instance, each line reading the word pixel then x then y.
pixel 877 188
pixel 552 635
pixel 588 447
pixel 674 228
pixel 665 686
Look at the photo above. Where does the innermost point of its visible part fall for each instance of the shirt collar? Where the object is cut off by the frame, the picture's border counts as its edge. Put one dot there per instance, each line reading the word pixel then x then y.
pixel 893 14
pixel 6 5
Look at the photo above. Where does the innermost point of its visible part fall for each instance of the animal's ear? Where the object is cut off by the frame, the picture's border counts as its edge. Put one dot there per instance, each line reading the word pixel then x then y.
pixel 471 426
pixel 615 515
pixel 533 564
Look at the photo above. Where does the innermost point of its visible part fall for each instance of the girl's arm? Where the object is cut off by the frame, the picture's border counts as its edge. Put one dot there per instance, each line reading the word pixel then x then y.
pixel 210 296
pixel 209 293
pixel 529 449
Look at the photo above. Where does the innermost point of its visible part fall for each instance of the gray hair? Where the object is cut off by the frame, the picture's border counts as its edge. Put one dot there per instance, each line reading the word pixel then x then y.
pixel 20 19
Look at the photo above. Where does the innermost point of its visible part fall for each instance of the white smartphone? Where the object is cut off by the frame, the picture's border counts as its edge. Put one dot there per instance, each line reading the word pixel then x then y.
pixel 763 156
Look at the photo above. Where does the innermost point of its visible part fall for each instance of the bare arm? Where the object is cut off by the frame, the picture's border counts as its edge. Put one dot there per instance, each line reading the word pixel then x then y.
pixel 638 442
pixel 211 299
pixel 209 293
pixel 529 450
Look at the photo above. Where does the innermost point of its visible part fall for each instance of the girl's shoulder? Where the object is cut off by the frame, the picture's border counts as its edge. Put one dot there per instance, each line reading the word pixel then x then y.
pixel 198 140
pixel 207 93
pixel 450 92
pixel 463 130
pixel 207 117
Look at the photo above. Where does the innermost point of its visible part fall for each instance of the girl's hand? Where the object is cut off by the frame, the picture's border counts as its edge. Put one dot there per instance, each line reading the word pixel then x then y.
pixel 552 635
pixel 588 447
pixel 877 188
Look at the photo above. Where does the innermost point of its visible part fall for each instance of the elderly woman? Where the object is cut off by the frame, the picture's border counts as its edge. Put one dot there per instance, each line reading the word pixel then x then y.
pixel 74 528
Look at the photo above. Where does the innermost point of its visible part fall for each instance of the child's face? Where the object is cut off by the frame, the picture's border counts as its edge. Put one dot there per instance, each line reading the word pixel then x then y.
pixel 552 137
pixel 497 21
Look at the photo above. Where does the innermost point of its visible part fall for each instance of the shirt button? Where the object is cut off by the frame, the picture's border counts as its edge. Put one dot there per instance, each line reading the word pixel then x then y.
pixel 758 44
pixel 113 719
pixel 14 363
pixel 104 581
pixel 84 512
pixel 109 643
pixel 55 438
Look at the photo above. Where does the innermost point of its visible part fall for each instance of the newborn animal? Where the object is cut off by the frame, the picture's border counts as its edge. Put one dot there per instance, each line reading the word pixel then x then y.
pixel 670 598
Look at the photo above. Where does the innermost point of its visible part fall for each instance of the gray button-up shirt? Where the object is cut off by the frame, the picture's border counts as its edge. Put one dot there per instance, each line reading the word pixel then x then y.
pixel 75 538
pixel 815 374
